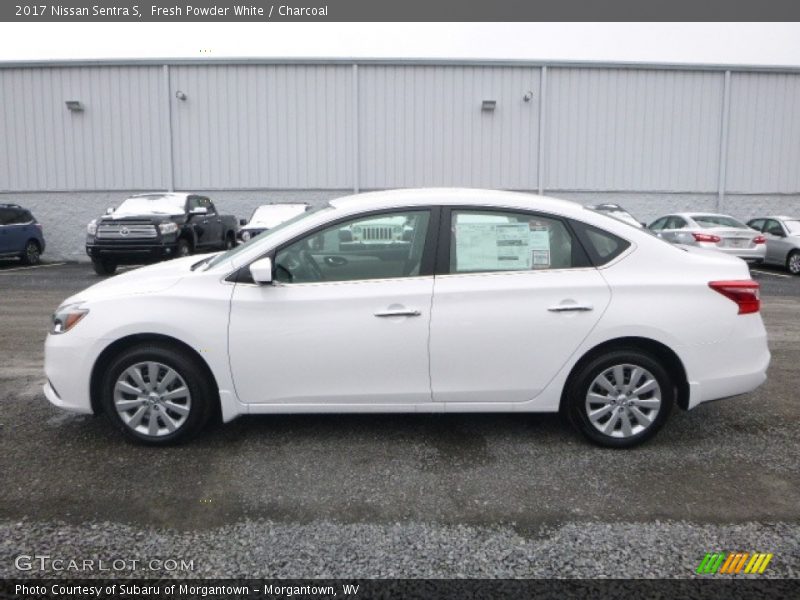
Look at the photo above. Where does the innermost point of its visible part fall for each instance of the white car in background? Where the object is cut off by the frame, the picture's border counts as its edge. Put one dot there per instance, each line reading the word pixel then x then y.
pixel 495 302
pixel 714 232
pixel 783 241
pixel 268 216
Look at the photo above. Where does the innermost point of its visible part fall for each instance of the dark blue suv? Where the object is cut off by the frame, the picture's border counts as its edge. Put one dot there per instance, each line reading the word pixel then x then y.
pixel 20 234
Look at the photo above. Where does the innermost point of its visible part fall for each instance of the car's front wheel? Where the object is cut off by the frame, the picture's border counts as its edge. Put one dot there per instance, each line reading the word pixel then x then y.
pixel 621 398
pixel 156 394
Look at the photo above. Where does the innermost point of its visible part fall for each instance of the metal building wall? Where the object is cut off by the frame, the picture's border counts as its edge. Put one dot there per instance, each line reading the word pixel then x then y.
pixel 764 134
pixel 116 142
pixel 423 126
pixel 633 130
pixel 262 126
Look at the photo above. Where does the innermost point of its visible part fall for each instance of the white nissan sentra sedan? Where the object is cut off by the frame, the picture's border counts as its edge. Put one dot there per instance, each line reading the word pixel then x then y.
pixel 447 300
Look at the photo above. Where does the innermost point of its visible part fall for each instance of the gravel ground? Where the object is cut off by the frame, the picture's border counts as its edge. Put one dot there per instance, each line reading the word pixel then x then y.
pixel 407 550
pixel 397 495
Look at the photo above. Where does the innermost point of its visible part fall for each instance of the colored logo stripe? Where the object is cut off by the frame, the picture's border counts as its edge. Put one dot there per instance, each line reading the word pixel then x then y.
pixel 723 563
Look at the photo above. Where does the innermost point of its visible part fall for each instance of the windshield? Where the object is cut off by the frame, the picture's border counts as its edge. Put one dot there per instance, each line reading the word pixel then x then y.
pixel 271 215
pixel 793 226
pixel 216 259
pixel 718 221
pixel 152 204
pixel 618 214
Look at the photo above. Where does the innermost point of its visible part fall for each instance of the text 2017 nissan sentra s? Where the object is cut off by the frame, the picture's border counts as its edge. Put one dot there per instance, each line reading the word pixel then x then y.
pixel 437 300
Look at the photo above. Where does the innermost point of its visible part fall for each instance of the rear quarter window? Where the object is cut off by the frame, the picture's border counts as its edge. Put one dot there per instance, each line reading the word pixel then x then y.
pixel 601 245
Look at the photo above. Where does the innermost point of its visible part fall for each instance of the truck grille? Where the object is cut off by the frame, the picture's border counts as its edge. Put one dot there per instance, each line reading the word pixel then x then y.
pixel 126 231
pixel 376 233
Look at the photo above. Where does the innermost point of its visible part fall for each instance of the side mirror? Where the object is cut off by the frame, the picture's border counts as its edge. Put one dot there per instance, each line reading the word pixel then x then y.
pixel 109 210
pixel 261 270
pixel 199 210
pixel 242 222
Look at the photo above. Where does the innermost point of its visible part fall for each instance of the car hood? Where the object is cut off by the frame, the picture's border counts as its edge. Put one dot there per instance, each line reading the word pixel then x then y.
pixel 145 280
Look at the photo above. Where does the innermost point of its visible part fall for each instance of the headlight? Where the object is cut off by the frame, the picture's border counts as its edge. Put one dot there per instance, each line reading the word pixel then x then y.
pixel 245 236
pixel 66 317
pixel 91 228
pixel 166 228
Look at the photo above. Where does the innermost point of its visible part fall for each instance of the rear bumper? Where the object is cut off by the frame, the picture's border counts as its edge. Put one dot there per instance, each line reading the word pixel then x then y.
pixel 752 255
pixel 132 253
pixel 729 368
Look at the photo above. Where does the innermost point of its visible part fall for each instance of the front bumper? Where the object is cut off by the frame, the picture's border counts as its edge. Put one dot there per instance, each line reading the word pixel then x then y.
pixel 132 253
pixel 68 363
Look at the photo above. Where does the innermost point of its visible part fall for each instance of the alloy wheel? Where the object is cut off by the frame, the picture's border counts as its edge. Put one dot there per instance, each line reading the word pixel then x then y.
pixel 794 263
pixel 623 401
pixel 152 399
pixel 32 253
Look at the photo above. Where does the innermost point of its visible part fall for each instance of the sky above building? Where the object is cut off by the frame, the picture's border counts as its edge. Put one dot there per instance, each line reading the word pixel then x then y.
pixel 729 43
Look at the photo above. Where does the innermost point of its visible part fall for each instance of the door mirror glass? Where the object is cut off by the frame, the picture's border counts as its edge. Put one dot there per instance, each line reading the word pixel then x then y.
pixel 261 270
pixel 109 210
pixel 242 222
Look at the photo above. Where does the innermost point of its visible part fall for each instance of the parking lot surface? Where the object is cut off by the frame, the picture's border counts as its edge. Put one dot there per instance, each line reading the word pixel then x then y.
pixel 397 495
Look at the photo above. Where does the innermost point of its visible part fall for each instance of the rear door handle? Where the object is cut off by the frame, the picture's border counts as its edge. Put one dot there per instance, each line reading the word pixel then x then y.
pixel 571 308
pixel 398 312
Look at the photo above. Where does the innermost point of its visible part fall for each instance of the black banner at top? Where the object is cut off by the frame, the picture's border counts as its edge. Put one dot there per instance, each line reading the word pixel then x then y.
pixel 398 10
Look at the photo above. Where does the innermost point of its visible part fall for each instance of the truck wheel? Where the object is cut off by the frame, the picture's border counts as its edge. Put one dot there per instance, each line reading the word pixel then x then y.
pixel 104 267
pixel 230 241
pixel 184 248
pixel 32 253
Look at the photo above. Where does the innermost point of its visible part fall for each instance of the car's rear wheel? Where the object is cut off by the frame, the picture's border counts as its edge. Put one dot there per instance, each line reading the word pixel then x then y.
pixel 620 399
pixel 32 254
pixel 157 395
pixel 104 266
pixel 793 262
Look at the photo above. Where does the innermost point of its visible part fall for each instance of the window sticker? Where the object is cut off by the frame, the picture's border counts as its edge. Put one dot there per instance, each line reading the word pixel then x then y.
pixel 540 246
pixel 494 247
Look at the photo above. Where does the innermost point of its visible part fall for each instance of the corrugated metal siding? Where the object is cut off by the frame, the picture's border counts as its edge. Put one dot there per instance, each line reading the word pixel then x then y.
pixel 115 143
pixel 262 126
pixel 423 126
pixel 764 134
pixel 616 129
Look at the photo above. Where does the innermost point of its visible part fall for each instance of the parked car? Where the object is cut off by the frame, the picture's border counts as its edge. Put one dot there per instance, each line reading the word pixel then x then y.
pixel 539 305
pixel 616 211
pixel 715 232
pixel 267 216
pixel 152 227
pixel 783 241
pixel 20 234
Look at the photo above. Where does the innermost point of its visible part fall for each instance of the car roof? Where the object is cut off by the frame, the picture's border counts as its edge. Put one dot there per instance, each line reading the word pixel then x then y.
pixel 182 195
pixel 457 196
pixel 777 218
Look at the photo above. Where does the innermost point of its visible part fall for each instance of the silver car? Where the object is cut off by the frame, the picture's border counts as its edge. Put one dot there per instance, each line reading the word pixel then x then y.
pixel 716 232
pixel 783 241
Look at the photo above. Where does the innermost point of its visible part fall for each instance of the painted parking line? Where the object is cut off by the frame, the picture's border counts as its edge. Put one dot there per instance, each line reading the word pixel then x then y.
pixel 773 274
pixel 30 268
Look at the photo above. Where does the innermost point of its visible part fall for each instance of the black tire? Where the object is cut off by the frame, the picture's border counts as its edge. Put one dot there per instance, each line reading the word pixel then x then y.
pixel 104 266
pixel 184 248
pixel 793 262
pixel 230 241
pixel 202 401
pixel 32 254
pixel 578 387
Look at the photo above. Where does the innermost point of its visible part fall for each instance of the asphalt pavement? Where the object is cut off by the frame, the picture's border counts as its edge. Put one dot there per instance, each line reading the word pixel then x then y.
pixel 397 495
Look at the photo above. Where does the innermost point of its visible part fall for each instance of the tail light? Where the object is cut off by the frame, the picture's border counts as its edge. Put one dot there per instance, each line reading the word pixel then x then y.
pixel 706 237
pixel 759 239
pixel 39 226
pixel 744 292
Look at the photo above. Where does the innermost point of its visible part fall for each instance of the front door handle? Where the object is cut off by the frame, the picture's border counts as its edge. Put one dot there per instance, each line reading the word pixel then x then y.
pixel 571 308
pixel 398 312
